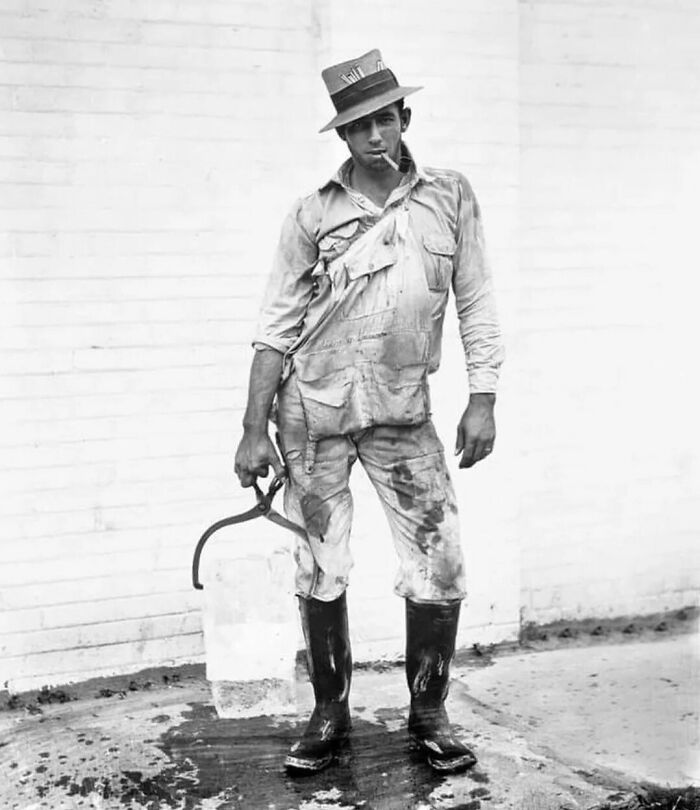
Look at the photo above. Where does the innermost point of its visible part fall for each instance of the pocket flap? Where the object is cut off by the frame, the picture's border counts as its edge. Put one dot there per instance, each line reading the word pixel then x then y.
pixel 318 381
pixel 329 395
pixel 322 365
pixel 371 261
pixel 339 235
pixel 441 244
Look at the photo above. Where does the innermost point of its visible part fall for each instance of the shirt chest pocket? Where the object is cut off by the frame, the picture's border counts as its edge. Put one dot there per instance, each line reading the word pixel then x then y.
pixel 438 255
pixel 337 241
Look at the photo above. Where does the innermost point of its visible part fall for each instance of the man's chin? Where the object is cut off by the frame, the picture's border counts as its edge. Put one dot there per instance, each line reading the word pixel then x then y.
pixel 376 163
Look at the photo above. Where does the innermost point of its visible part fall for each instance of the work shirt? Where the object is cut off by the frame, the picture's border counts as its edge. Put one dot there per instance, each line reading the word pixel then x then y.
pixel 445 222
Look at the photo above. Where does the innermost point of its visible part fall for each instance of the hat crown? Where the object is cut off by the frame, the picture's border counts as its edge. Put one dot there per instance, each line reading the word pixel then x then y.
pixel 345 74
pixel 361 86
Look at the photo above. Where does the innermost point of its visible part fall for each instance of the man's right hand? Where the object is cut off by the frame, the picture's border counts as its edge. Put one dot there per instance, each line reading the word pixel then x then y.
pixel 256 452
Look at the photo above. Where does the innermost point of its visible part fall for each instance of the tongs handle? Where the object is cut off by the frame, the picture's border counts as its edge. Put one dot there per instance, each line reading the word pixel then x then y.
pixel 265 500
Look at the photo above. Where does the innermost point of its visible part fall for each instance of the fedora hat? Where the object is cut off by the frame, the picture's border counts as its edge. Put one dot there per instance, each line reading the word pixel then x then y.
pixel 361 86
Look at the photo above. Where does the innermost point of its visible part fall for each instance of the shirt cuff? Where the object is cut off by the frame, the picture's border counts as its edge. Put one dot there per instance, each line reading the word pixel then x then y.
pixel 278 345
pixel 483 380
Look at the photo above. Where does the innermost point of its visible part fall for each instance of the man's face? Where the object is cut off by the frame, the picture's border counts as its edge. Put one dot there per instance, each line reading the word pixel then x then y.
pixel 368 137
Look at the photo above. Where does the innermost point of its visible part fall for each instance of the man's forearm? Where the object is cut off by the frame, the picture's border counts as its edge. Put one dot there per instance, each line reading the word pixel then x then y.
pixel 265 375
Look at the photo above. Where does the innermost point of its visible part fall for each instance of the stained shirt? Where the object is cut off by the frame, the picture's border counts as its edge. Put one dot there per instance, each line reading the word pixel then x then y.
pixel 445 219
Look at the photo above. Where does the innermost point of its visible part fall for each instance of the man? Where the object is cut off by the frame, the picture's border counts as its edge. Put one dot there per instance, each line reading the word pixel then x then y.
pixel 350 328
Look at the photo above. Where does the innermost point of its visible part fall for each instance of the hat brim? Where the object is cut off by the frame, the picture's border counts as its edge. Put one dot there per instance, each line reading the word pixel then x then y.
pixel 368 106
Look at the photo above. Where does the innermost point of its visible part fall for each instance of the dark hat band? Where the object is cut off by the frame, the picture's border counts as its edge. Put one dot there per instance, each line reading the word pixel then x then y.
pixel 366 87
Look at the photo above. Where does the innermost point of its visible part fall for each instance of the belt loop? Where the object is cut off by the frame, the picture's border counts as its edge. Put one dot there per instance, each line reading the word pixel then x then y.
pixel 310 456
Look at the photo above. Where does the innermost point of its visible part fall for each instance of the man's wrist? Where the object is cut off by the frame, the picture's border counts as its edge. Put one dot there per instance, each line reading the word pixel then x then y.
pixel 482 398
pixel 255 427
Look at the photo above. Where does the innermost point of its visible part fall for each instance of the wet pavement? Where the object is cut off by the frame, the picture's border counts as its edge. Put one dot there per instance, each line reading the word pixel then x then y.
pixel 575 727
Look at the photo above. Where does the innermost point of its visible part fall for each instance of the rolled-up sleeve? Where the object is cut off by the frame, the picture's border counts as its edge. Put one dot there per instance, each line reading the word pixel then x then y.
pixel 476 307
pixel 290 285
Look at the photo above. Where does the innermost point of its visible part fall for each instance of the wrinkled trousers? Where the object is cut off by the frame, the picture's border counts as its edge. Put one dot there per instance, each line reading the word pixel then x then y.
pixel 406 465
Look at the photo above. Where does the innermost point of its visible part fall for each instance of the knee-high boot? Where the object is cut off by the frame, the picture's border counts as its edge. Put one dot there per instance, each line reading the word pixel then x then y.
pixel 325 626
pixel 431 631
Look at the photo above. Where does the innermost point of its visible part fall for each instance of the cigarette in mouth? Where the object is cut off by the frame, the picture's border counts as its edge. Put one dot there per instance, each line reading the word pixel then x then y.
pixel 394 165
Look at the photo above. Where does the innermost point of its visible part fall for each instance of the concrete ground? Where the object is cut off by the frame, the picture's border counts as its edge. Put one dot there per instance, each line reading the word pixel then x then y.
pixel 573 727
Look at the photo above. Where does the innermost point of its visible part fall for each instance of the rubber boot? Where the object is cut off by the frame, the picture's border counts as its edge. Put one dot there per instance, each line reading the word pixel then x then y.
pixel 325 626
pixel 431 631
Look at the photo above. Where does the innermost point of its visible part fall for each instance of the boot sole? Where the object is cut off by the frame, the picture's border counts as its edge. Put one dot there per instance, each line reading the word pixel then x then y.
pixel 453 765
pixel 301 766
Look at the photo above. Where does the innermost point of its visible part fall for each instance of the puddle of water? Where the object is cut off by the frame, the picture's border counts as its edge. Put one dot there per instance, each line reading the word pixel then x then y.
pixel 204 761
pixel 240 762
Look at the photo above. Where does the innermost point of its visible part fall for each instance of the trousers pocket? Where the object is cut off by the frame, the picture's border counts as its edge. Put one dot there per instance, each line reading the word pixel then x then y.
pixel 326 394
pixel 351 386
pixel 402 394
pixel 327 408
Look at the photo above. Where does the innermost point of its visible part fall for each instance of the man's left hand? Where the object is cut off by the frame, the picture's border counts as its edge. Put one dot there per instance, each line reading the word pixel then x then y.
pixel 476 431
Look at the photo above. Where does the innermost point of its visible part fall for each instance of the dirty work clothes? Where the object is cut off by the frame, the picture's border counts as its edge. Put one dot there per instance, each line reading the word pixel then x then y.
pixel 406 465
pixel 365 363
pixel 446 238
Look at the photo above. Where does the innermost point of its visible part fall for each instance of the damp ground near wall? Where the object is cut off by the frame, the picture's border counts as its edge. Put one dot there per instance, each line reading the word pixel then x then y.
pixel 599 726
pixel 617 629
pixel 533 637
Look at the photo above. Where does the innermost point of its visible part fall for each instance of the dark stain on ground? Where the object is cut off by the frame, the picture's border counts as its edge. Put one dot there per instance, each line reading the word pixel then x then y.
pixel 47 696
pixel 241 763
pixel 653 797
pixel 107 693
pixel 616 629
pixel 481 793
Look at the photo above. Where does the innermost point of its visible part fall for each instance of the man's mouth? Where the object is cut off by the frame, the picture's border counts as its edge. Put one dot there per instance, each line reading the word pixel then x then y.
pixel 384 155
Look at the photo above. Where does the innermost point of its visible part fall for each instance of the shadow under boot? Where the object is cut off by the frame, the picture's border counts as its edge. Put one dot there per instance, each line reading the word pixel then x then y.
pixel 431 630
pixel 329 660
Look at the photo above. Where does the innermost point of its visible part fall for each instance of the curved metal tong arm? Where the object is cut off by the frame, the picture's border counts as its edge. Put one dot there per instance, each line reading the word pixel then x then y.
pixel 263 508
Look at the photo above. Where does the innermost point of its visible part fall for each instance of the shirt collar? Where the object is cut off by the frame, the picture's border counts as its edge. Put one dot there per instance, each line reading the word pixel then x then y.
pixel 414 174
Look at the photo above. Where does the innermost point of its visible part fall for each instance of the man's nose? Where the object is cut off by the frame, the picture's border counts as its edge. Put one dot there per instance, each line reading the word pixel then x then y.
pixel 374 134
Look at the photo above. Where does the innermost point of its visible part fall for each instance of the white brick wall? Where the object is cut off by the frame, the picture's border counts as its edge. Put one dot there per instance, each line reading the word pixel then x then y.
pixel 148 152
pixel 147 157
pixel 610 164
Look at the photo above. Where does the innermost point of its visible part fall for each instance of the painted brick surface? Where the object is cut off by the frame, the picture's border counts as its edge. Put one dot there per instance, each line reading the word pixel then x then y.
pixel 610 117
pixel 145 164
pixel 148 153
pixel 147 156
